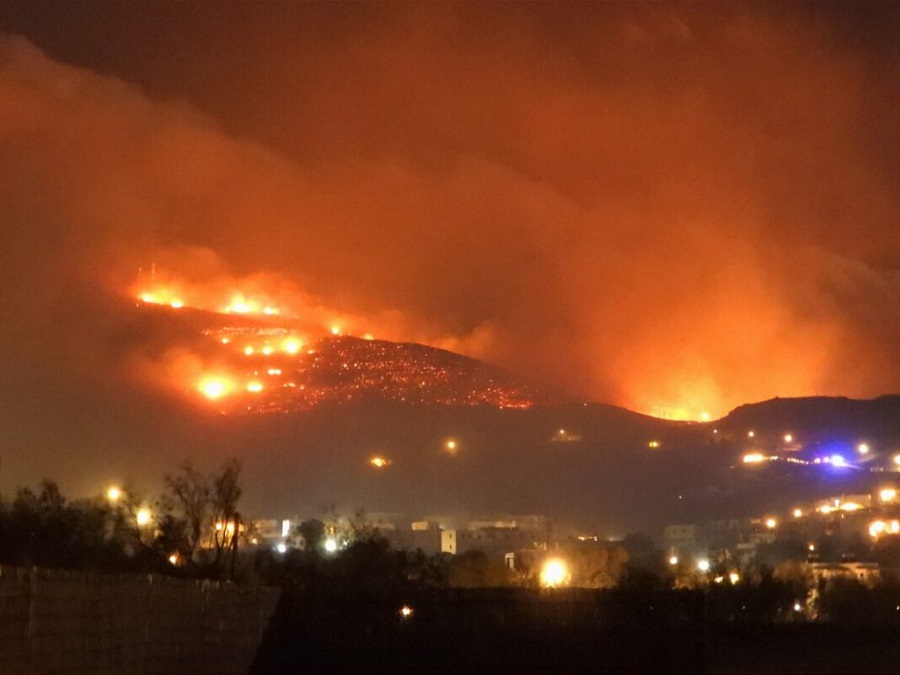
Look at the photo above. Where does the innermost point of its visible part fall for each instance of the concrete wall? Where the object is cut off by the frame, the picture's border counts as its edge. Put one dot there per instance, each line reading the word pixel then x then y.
pixel 54 621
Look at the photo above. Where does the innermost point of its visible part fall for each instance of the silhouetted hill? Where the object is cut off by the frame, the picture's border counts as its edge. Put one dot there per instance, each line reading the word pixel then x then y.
pixel 819 415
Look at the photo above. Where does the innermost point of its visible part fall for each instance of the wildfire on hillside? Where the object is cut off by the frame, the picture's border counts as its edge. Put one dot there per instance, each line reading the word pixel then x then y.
pixel 278 352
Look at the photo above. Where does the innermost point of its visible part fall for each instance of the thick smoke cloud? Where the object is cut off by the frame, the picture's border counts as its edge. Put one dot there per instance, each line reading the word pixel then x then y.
pixel 665 208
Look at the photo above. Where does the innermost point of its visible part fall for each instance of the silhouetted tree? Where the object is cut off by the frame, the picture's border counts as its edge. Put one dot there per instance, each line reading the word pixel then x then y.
pixel 313 533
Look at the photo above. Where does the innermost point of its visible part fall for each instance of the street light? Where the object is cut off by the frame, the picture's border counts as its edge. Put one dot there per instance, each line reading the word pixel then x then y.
pixel 554 573
pixel 143 517
pixel 113 494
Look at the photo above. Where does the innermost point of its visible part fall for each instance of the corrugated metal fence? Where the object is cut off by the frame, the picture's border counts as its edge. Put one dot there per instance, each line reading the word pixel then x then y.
pixel 53 621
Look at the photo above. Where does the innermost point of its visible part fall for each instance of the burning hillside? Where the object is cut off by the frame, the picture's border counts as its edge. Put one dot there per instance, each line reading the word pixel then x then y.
pixel 258 357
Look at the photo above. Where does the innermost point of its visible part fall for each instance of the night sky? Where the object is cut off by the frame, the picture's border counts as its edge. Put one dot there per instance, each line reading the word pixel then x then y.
pixel 665 207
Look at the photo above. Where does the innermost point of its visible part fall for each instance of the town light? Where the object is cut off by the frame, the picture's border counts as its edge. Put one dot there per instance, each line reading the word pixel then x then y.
pixel 798 513
pixel 751 434
pixel 331 545
pixel 143 517
pixel 734 577
pixel 451 447
pixel 673 560
pixel 887 495
pixel 788 438
pixel 863 448
pixel 754 458
pixel 406 611
pixel 554 573
pixel 379 462
pixel 703 565
pixel 281 547
pixel 771 523
pixel 654 444
pixel 113 494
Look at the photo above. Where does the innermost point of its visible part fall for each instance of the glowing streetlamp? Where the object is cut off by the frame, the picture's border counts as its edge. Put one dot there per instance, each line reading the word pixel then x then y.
pixel 554 573
pixel 673 560
pixel 703 565
pixel 771 523
pixel 863 448
pixel 143 517
pixel 406 612
pixel 113 494
pixel 379 462
pixel 331 545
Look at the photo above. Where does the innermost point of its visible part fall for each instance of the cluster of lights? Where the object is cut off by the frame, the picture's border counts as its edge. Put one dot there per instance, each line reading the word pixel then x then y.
pixel 838 505
pixel 654 444
pixel 733 577
pixel 882 527
pixel 228 527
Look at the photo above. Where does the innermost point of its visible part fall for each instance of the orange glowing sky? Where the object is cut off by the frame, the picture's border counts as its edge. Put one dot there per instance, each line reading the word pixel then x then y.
pixel 676 209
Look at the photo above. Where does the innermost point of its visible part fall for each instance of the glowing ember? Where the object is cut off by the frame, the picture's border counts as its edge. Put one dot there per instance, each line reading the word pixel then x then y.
pixel 291 345
pixel 214 387
pixel 239 305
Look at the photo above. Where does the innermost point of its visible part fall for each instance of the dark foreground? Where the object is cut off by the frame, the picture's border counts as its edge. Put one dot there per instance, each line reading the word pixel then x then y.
pixel 518 631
